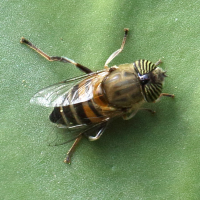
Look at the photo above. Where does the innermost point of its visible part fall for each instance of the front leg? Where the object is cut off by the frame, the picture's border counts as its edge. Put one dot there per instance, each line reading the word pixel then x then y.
pixel 114 54
pixel 167 95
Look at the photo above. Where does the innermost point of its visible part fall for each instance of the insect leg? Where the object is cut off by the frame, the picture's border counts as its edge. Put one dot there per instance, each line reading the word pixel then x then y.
pixel 99 132
pixel 72 149
pixel 131 114
pixel 55 58
pixel 149 110
pixel 167 95
pixel 158 62
pixel 113 55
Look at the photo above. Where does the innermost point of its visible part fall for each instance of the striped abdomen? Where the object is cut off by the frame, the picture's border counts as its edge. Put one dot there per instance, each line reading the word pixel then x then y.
pixel 76 114
pixel 84 113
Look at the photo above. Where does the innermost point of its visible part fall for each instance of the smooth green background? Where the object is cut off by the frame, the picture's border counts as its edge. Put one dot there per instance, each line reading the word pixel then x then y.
pixel 150 156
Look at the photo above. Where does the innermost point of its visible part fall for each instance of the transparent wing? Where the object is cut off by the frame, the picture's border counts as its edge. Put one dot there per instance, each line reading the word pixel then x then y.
pixel 63 136
pixel 52 95
pixel 65 93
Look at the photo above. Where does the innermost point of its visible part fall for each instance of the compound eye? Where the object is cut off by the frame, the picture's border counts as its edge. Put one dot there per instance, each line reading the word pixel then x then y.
pixel 152 91
pixel 144 79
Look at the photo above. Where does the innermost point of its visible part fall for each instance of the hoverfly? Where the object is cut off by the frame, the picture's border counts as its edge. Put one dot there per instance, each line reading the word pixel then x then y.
pixel 89 102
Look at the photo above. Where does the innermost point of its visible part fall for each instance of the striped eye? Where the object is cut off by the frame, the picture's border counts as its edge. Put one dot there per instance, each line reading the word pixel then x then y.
pixel 152 91
pixel 151 79
pixel 144 66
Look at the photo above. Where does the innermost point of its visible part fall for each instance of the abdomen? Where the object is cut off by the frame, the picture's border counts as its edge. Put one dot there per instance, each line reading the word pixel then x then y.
pixel 78 114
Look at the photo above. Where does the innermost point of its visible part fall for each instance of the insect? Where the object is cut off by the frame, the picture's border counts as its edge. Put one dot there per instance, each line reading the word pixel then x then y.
pixel 87 103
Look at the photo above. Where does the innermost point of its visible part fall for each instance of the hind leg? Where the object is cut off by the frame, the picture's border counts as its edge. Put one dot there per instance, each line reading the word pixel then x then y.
pixel 55 58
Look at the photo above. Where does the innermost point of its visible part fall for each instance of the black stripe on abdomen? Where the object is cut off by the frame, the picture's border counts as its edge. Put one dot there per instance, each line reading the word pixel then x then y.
pixel 56 116
pixel 73 118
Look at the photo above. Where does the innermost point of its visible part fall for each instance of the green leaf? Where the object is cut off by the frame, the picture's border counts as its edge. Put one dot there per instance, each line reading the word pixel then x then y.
pixel 147 157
